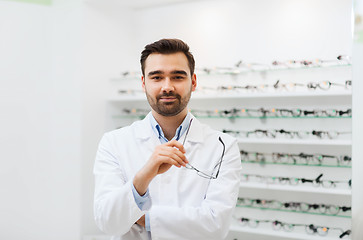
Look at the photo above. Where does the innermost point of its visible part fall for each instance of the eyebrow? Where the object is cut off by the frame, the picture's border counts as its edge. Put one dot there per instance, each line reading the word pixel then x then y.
pixel 179 72
pixel 155 72
pixel 182 72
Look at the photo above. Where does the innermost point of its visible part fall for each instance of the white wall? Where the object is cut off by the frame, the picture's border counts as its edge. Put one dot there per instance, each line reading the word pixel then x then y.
pixel 108 34
pixel 224 32
pixel 40 126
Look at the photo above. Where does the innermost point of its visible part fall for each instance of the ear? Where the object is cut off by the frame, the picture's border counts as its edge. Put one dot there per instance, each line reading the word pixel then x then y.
pixel 143 83
pixel 194 82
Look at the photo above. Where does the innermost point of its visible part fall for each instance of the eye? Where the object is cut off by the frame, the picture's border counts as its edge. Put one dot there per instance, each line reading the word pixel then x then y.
pixel 156 77
pixel 179 77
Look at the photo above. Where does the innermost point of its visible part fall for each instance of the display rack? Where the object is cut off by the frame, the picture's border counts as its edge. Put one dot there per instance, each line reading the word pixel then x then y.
pixel 210 97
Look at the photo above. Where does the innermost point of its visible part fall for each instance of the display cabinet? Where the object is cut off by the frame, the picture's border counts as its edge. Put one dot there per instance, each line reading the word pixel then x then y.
pixel 293 126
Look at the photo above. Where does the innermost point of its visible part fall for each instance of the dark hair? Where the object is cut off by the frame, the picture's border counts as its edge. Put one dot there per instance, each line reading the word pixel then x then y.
pixel 167 46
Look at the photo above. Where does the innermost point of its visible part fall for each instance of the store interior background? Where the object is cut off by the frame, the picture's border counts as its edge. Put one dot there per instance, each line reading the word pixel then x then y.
pixel 56 60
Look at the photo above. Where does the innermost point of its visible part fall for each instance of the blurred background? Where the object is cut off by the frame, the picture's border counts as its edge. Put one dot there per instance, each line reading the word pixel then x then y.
pixel 56 61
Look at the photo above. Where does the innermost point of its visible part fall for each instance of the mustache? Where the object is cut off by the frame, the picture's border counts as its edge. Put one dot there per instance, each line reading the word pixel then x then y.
pixel 171 94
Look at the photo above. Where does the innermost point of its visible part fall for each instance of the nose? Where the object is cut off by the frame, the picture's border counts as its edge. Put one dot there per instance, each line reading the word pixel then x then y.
pixel 167 85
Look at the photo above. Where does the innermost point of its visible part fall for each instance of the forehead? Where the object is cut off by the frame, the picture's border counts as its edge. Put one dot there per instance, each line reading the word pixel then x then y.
pixel 166 62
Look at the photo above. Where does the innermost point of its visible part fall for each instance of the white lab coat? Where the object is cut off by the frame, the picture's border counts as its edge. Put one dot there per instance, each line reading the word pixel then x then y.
pixel 184 205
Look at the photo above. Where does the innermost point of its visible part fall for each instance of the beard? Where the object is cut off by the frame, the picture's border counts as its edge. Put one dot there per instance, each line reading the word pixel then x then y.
pixel 168 109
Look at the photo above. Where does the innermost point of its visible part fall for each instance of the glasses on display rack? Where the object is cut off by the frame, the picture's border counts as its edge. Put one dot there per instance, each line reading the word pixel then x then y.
pixel 274 133
pixel 310 159
pixel 272 112
pixel 251 66
pixel 129 91
pixel 287 86
pixel 328 113
pixel 340 59
pixel 328 134
pixel 260 87
pixel 216 168
pixel 295 159
pixel 245 66
pixel 293 206
pixel 252 222
pixel 254 113
pixel 278 86
pixel 277 225
pixel 322 208
pixel 131 74
pixel 317 182
pixel 136 111
pixel 326 85
pixel 262 203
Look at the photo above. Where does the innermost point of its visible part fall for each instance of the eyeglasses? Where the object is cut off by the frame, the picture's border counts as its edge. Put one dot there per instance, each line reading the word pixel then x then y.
pixel 243 66
pixel 262 203
pixel 136 111
pixel 259 133
pixel 295 159
pixel 293 206
pixel 289 227
pixel 294 181
pixel 273 112
pixel 278 86
pixel 129 91
pixel 216 167
pixel 328 134
pixel 325 85
pixel 328 112
pixel 251 112
pixel 287 86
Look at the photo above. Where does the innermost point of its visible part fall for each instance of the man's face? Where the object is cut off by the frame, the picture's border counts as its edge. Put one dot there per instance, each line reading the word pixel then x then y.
pixel 168 83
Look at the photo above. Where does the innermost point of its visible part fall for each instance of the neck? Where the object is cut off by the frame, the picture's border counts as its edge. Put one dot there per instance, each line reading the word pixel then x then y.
pixel 171 123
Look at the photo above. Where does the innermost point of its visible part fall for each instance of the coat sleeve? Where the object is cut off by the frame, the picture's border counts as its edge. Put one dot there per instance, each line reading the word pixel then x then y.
pixel 210 220
pixel 115 208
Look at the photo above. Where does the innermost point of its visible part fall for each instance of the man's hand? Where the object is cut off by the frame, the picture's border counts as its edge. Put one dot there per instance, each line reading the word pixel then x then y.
pixel 141 221
pixel 163 157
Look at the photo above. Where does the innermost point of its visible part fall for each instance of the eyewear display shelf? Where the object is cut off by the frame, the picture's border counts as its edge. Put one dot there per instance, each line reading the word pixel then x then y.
pixel 254 106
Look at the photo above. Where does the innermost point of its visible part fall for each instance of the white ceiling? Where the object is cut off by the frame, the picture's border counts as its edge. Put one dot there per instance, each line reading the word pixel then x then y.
pixel 141 4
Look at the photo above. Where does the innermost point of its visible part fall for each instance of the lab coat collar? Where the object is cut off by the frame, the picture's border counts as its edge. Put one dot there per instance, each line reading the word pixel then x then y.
pixel 144 130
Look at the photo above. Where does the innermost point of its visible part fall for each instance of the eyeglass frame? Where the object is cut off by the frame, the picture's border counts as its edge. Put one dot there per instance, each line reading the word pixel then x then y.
pixel 200 173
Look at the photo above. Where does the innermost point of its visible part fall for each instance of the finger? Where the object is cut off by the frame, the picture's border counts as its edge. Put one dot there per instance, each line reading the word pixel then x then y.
pixel 175 154
pixel 165 149
pixel 175 143
pixel 169 160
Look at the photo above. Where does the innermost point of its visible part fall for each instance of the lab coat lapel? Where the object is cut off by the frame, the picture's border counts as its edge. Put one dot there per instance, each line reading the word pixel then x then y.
pixel 146 135
pixel 195 134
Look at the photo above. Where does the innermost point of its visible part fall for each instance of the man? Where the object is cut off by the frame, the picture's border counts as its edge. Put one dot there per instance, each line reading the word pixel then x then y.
pixel 167 176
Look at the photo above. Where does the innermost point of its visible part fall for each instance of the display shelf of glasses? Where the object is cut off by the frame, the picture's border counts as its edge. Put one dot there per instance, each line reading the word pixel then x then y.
pixel 243 68
pixel 249 113
pixel 242 141
pixel 278 101
pixel 266 94
pixel 293 211
pixel 300 159
pixel 286 188
pixel 271 234
pixel 290 225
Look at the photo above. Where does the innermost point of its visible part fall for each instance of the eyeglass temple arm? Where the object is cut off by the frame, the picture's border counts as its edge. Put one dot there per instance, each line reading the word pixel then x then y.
pixel 345 233
pixel 220 163
pixel 318 178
